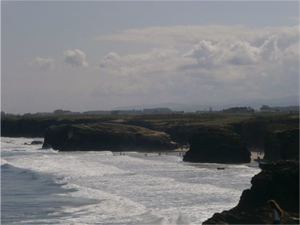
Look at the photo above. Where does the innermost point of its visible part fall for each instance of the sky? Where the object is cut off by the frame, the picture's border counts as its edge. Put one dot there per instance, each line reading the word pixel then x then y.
pixel 99 55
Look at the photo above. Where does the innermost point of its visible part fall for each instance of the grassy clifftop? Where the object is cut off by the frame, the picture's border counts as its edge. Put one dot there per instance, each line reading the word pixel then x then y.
pixel 177 125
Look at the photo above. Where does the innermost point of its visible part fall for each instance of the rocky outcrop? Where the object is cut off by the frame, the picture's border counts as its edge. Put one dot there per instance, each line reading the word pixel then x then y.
pixel 278 181
pixel 105 136
pixel 35 143
pixel 216 145
pixel 252 132
pixel 289 144
pixel 259 133
pixel 282 145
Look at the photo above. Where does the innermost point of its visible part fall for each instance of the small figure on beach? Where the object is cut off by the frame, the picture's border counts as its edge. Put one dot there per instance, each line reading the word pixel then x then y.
pixel 276 212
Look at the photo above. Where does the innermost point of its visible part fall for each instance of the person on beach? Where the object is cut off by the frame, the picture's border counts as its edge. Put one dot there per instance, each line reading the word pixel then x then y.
pixel 276 212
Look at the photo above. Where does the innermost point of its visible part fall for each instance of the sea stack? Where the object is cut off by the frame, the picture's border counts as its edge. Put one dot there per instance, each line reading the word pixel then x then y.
pixel 213 144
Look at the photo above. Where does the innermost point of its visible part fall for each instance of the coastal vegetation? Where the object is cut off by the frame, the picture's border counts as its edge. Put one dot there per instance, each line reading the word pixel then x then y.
pixel 31 125
pixel 253 128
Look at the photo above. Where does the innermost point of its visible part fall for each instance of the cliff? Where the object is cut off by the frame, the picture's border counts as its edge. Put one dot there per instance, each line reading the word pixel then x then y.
pixel 216 145
pixel 21 126
pixel 278 181
pixel 282 145
pixel 258 131
pixel 105 136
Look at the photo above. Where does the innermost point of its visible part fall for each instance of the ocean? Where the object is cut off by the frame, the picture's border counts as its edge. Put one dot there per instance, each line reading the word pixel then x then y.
pixel 43 186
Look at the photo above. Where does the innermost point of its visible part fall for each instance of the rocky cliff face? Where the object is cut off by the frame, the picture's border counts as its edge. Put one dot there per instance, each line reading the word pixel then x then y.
pixel 216 145
pixel 282 145
pixel 105 136
pixel 252 132
pixel 264 134
pixel 278 181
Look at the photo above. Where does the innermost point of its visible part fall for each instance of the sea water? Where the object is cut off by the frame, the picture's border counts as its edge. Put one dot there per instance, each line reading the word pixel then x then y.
pixel 43 186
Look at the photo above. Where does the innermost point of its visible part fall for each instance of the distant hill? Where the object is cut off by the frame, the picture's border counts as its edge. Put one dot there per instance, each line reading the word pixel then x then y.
pixel 170 105
pixel 216 106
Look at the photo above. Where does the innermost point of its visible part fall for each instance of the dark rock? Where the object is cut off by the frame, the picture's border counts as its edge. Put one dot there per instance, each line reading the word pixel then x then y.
pixel 36 143
pixel 255 131
pixel 271 146
pixel 278 181
pixel 106 136
pixel 216 145
pixel 289 144
pixel 282 145
pixel 252 132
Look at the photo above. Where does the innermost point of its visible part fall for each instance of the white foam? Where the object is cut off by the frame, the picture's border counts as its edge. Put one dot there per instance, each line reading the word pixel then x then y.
pixel 18 144
pixel 3 162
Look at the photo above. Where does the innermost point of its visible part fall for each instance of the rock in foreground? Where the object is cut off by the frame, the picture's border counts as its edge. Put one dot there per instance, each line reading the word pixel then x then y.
pixel 105 136
pixel 278 181
pixel 216 145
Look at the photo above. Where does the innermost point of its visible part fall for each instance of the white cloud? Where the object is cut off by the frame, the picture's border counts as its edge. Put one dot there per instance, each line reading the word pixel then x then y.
pixel 270 50
pixel 259 70
pixel 75 58
pixel 155 61
pixel 259 61
pixel 236 52
pixel 42 64
pixel 210 69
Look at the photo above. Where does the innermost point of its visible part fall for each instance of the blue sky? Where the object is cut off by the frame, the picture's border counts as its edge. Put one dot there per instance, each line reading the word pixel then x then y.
pixel 100 55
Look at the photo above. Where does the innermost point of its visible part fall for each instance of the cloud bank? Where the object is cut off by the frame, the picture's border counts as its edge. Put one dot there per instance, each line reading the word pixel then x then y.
pixel 226 61
pixel 175 35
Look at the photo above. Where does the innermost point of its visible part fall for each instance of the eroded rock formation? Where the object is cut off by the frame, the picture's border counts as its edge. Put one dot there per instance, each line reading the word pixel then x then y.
pixel 216 145
pixel 105 136
pixel 282 145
